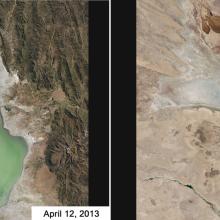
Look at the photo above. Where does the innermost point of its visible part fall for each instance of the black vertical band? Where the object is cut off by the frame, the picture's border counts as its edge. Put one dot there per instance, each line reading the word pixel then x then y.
pixel 123 110
pixel 98 103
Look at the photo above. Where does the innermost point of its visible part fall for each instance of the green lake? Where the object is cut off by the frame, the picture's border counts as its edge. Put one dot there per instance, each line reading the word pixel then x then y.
pixel 12 153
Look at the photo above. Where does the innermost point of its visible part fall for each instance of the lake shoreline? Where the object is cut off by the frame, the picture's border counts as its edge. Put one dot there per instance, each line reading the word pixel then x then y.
pixel 18 149
pixel 24 193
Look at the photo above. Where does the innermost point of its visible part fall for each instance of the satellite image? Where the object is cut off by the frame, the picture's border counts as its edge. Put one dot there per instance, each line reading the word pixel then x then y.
pixel 178 109
pixel 44 105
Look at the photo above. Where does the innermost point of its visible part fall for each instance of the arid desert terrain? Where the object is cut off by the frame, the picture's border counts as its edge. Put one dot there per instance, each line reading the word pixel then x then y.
pixel 178 103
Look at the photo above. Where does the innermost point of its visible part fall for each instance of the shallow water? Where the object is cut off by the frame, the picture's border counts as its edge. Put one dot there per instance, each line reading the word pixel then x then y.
pixel 12 153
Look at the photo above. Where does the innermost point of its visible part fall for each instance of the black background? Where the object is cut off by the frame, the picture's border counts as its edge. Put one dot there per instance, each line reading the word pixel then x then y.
pixel 123 107
pixel 98 103
pixel 124 110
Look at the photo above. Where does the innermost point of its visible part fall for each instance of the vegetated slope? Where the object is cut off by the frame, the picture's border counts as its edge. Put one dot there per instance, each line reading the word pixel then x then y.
pixel 47 43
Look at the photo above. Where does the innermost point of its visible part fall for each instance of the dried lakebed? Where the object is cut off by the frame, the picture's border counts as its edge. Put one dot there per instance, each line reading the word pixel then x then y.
pixel 178 111
pixel 12 153
pixel 192 93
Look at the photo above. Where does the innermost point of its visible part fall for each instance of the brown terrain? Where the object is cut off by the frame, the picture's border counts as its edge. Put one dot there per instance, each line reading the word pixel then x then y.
pixel 178 119
pixel 45 43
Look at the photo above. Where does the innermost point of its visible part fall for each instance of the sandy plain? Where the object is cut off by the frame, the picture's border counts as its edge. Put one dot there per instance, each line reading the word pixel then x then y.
pixel 178 118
